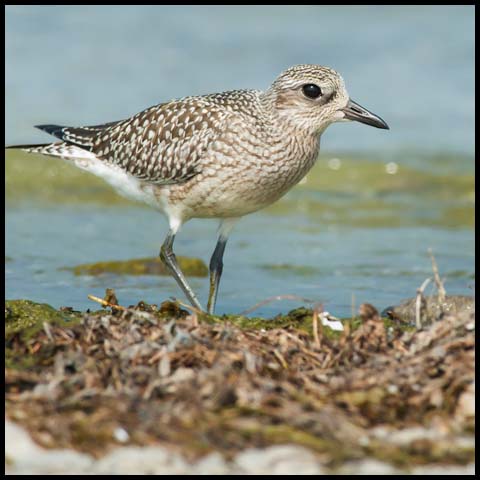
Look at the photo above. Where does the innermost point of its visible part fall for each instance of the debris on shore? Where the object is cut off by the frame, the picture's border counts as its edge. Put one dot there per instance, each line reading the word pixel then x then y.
pixel 198 383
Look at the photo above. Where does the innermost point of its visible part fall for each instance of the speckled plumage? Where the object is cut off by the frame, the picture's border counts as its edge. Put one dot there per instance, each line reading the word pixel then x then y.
pixel 219 155
pixel 222 155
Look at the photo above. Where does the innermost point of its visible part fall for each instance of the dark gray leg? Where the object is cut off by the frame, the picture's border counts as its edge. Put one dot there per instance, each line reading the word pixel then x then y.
pixel 216 269
pixel 168 258
pixel 216 263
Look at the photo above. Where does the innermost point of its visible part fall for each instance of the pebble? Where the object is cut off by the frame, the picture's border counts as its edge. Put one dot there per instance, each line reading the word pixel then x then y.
pixel 25 457
pixel 278 460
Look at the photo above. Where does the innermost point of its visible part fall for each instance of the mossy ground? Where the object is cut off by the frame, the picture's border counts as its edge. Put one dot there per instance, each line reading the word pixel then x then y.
pixel 204 383
pixel 194 267
pixel 23 320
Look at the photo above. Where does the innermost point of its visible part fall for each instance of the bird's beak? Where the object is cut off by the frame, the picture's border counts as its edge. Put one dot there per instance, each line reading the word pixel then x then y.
pixel 353 111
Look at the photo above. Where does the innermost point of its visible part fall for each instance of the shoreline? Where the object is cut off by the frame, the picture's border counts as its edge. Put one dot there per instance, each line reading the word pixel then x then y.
pixel 218 390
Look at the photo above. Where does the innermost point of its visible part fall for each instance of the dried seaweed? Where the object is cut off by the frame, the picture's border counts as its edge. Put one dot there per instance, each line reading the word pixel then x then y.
pixel 203 383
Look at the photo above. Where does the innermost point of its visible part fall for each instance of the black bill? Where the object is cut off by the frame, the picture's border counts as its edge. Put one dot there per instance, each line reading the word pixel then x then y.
pixel 353 111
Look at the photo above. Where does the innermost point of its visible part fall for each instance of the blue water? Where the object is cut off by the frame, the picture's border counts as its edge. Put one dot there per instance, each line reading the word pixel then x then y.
pixel 412 65
pixel 81 65
pixel 381 266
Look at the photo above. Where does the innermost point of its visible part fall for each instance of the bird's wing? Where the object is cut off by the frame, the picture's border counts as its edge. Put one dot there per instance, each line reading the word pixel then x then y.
pixel 162 144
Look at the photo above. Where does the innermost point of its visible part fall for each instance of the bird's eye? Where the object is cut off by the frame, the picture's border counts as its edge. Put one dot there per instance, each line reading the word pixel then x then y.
pixel 311 90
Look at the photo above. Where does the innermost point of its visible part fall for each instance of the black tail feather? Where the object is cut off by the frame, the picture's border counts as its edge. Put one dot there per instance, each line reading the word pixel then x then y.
pixel 55 130
pixel 79 136
pixel 32 145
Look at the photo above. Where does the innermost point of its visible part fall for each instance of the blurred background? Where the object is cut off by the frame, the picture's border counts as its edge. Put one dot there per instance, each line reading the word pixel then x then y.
pixel 360 223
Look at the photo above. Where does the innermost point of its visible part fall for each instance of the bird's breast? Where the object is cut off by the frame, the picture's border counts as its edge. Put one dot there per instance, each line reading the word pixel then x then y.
pixel 246 174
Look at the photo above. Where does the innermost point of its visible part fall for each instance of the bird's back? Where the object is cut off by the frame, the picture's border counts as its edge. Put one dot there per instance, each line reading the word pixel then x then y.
pixel 222 154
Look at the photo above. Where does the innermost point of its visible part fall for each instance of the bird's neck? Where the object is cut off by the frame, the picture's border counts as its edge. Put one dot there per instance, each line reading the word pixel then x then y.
pixel 283 117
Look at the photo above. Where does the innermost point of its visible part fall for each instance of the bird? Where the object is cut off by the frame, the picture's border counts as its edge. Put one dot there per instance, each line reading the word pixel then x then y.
pixel 221 155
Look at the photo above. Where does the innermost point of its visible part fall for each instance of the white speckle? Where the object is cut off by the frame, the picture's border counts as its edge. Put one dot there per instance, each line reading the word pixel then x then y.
pixel 391 168
pixel 334 163
pixel 364 441
pixel 331 321
pixel 392 389
pixel 121 435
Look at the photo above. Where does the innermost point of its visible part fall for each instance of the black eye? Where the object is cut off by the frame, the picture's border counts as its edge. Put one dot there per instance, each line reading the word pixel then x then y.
pixel 311 90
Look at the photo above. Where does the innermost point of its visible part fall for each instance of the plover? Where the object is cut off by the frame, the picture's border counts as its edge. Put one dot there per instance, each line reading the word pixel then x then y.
pixel 222 156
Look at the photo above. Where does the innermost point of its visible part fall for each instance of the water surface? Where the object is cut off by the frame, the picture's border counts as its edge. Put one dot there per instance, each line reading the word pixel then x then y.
pixel 356 230
pixel 360 224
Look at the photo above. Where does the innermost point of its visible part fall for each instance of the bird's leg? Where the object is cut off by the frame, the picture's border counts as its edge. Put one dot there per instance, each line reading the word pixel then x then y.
pixel 216 269
pixel 216 262
pixel 168 258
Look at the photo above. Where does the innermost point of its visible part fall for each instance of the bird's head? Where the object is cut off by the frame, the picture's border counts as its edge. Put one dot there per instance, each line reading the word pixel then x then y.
pixel 312 97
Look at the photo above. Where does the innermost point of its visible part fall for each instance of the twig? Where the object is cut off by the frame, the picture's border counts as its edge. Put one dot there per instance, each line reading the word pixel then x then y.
pixel 280 358
pixel 104 303
pixel 315 324
pixel 316 340
pixel 48 331
pixel 195 319
pixel 440 288
pixel 190 307
pixel 418 303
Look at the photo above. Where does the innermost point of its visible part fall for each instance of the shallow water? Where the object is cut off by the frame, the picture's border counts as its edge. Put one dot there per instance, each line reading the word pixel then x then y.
pixel 324 244
pixel 360 224
pixel 327 265
pixel 83 65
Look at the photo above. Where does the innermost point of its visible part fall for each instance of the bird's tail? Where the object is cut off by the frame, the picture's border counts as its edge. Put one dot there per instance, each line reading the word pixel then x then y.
pixel 58 149
pixel 76 141
pixel 31 148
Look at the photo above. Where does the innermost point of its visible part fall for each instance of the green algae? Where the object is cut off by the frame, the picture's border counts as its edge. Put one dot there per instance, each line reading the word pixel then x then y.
pixel 282 268
pixel 302 321
pixel 194 267
pixel 46 180
pixel 299 318
pixel 420 452
pixel 285 434
pixel 360 192
pixel 23 320
pixel 26 318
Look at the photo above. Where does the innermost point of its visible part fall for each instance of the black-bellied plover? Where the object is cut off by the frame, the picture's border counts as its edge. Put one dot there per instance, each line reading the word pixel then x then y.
pixel 223 155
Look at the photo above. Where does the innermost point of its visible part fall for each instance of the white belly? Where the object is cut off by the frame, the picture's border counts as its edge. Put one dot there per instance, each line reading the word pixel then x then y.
pixel 123 183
